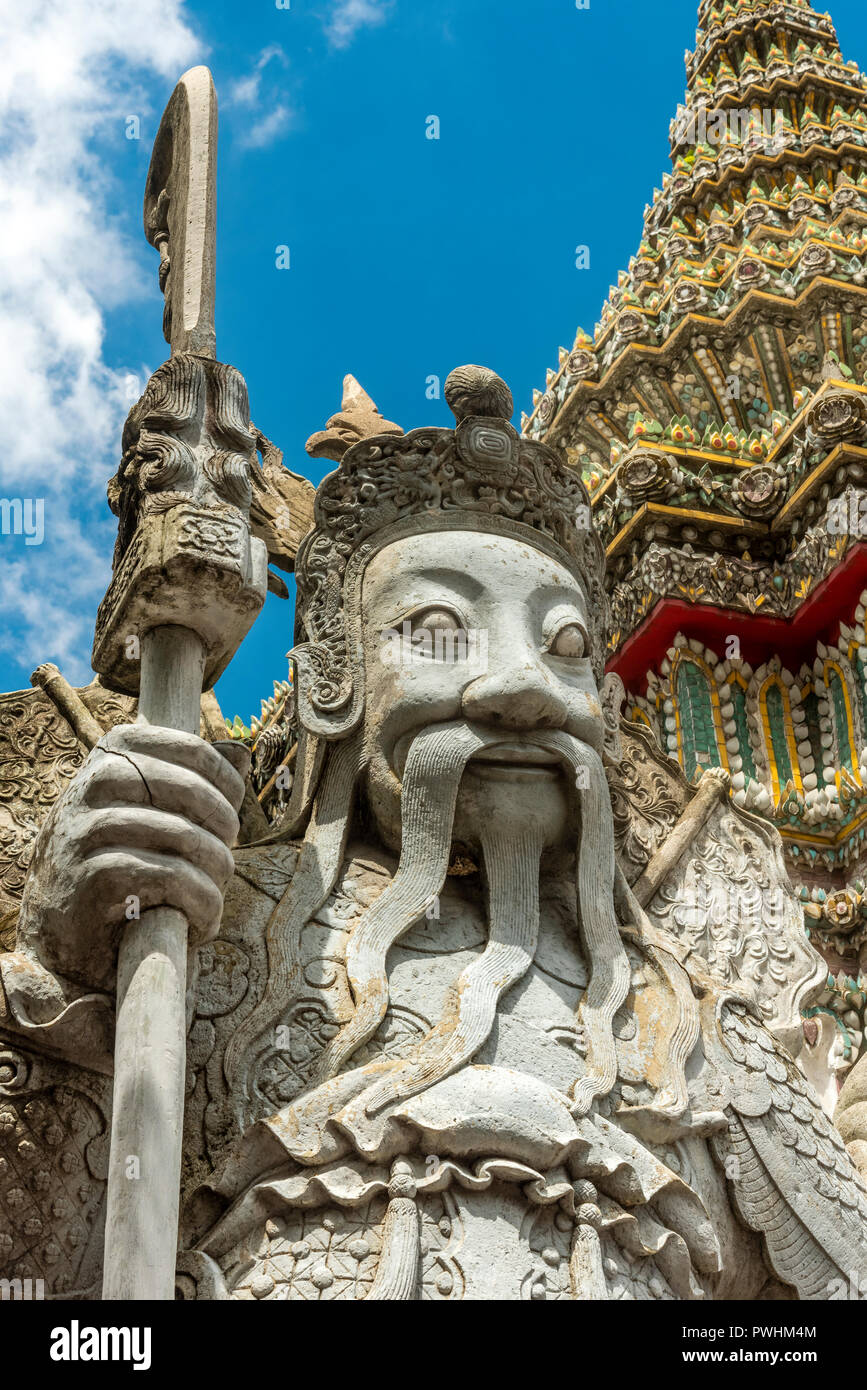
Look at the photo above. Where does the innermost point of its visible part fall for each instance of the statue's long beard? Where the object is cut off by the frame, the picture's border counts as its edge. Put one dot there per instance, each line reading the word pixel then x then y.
pixel 513 874
pixel 435 765
pixel 431 779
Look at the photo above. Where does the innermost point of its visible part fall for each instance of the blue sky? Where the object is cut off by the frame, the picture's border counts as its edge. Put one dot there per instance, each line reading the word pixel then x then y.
pixel 408 255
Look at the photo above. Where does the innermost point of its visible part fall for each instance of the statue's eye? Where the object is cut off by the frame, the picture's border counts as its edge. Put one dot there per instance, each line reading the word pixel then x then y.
pixel 435 620
pixel 570 641
pixel 439 634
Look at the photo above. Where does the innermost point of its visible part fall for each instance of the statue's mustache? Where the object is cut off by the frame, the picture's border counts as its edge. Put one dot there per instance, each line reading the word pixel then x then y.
pixel 482 741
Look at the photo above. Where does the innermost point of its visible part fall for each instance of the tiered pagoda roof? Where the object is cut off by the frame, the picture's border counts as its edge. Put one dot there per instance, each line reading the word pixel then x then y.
pixel 718 413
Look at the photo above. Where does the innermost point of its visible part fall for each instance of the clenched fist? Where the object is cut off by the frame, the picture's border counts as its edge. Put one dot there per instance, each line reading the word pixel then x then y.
pixel 147 822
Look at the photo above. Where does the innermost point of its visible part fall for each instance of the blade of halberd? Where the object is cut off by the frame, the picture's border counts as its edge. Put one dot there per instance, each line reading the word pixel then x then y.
pixel 180 212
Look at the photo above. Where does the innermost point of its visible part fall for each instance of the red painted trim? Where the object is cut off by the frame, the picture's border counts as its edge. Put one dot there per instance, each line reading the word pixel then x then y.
pixel 793 640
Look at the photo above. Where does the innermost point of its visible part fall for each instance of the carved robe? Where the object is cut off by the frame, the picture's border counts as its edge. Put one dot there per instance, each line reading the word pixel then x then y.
pixel 484 1185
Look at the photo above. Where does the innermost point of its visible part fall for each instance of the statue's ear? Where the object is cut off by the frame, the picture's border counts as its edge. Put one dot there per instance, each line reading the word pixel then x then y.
pixel 612 695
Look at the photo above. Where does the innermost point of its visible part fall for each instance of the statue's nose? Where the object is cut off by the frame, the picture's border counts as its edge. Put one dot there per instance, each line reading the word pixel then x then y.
pixel 520 696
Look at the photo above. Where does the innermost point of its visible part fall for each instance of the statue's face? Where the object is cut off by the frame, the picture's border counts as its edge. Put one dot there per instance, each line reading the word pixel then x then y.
pixel 464 626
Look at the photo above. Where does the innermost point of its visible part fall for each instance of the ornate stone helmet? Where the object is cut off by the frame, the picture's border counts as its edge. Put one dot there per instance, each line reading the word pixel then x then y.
pixel 480 476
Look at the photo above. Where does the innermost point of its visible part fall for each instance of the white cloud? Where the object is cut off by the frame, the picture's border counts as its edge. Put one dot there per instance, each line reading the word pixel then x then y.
pixel 348 16
pixel 269 128
pixel 248 92
pixel 70 76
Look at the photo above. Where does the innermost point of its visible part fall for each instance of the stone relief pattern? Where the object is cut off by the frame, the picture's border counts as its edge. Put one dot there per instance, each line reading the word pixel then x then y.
pixel 53 1150
pixel 226 970
pixel 329 1254
pixel 781 1145
pixel 232 976
pixel 712 903
pixel 547 1234
pixel 647 798
pixel 441 1278
pixel 401 1029
pixel 632 1278
pixel 326 1003
pixel 333 1254
pixel 39 755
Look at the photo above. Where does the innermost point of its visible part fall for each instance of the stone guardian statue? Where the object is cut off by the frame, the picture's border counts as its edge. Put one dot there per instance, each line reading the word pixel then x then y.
pixel 480 1012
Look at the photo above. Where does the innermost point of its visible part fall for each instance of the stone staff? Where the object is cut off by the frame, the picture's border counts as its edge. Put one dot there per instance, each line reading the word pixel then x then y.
pixel 188 582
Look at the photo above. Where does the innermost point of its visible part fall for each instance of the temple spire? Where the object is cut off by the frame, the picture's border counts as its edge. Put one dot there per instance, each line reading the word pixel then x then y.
pixel 710 406
pixel 772 130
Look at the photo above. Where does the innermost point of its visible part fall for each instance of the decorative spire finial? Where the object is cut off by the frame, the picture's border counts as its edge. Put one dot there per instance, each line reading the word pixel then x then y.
pixel 358 418
pixel 478 391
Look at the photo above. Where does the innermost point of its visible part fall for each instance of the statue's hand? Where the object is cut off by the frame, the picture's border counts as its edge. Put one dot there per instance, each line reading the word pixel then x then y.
pixel 147 822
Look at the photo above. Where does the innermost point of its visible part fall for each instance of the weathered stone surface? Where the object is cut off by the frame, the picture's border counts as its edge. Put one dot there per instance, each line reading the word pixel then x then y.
pixel 184 555
pixel 180 212
pixel 358 418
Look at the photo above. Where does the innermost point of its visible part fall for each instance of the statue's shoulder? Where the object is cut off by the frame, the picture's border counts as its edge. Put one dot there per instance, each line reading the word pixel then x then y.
pixel 712 878
pixel 45 735
pixel 268 869
pixel 790 1174
pixel 55 1078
